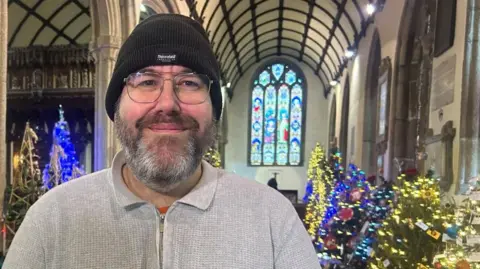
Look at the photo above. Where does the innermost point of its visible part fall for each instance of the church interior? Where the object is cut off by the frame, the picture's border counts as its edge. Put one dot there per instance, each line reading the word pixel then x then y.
pixel 385 92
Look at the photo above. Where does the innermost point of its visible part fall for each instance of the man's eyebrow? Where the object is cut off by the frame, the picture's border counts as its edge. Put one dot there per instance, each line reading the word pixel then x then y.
pixel 146 70
pixel 151 70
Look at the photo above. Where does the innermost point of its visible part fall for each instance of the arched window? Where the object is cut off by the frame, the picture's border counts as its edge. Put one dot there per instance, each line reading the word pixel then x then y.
pixel 277 115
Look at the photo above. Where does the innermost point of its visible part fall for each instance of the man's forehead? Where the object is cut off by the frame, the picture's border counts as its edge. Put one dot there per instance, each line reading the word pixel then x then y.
pixel 166 69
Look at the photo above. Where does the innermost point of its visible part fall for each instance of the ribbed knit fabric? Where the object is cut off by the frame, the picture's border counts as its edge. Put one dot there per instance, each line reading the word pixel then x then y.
pixel 226 222
pixel 165 39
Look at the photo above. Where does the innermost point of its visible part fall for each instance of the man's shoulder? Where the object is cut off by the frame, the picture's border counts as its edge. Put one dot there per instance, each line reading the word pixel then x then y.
pixel 249 189
pixel 85 188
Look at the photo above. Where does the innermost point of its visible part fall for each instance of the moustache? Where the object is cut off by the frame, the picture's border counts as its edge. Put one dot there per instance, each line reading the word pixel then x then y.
pixel 186 122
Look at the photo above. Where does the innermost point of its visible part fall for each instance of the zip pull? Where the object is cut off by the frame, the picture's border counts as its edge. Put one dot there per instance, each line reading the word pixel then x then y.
pixel 162 222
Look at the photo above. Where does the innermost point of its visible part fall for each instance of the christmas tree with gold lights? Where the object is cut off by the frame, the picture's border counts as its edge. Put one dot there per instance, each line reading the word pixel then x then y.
pixel 412 234
pixel 320 179
pixel 25 188
pixel 458 240
pixel 212 156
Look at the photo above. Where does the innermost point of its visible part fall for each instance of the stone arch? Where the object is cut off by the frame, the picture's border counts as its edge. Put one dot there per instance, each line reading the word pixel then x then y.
pixel 411 92
pixel 105 16
pixel 371 106
pixel 130 15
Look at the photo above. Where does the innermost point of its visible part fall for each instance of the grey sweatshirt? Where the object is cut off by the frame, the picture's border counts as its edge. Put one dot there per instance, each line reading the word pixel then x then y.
pixel 225 222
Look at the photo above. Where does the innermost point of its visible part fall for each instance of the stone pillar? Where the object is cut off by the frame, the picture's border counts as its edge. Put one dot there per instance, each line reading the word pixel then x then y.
pixel 130 13
pixel 3 96
pixel 105 145
pixel 104 46
pixel 470 102
pixel 223 129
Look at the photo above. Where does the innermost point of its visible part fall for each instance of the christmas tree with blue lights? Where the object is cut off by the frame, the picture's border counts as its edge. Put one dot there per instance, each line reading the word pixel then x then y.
pixel 63 165
pixel 345 220
pixel 378 210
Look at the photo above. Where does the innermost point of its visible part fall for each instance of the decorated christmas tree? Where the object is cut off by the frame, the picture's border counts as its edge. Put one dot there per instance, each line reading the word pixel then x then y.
pixel 379 208
pixel 412 235
pixel 25 188
pixel 345 218
pixel 63 165
pixel 212 156
pixel 461 238
pixel 320 179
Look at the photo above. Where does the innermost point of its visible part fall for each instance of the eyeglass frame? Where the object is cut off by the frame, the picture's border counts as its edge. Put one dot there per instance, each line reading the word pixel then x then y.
pixel 125 81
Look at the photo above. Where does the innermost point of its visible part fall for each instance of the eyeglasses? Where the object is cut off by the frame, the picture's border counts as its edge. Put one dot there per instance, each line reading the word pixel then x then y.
pixel 189 88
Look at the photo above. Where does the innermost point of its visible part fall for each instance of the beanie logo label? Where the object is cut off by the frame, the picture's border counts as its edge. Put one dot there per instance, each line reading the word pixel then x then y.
pixel 167 58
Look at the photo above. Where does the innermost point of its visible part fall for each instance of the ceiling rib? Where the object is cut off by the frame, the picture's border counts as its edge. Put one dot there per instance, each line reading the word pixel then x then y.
pixel 307 26
pixel 254 27
pixel 288 47
pixel 83 8
pixel 289 39
pixel 280 27
pixel 294 21
pixel 22 22
pixel 269 21
pixel 319 41
pixel 226 15
pixel 65 27
pixel 79 33
pixel 336 22
pixel 193 11
pixel 352 24
pixel 48 19
pixel 44 21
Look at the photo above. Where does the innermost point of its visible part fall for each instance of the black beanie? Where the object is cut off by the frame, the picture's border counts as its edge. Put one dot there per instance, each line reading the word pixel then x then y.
pixel 165 39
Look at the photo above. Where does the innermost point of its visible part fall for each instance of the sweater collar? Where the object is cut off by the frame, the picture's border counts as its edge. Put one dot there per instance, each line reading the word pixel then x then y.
pixel 201 196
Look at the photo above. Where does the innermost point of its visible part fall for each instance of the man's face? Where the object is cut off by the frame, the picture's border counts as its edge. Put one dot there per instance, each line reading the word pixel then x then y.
pixel 164 141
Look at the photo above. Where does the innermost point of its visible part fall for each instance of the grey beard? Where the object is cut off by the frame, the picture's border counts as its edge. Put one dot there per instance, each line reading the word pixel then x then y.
pixel 166 171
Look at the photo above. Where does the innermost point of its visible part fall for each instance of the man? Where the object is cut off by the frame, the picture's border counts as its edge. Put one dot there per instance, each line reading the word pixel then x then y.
pixel 159 205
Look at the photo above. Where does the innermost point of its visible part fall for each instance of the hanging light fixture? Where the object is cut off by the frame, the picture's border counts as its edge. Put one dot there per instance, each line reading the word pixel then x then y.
pixel 370 9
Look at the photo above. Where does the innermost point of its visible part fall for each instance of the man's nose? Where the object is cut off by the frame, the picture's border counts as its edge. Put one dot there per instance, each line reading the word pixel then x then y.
pixel 167 102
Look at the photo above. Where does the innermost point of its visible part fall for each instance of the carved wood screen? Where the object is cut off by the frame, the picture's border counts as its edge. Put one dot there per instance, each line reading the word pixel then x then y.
pixel 39 79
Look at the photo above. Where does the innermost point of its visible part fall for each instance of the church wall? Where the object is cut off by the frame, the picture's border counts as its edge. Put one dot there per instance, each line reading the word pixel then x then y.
pixel 387 23
pixel 236 150
pixel 451 112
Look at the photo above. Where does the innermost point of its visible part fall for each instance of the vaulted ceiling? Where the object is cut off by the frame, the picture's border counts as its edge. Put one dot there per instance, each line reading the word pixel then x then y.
pixel 48 22
pixel 317 33
pixel 243 32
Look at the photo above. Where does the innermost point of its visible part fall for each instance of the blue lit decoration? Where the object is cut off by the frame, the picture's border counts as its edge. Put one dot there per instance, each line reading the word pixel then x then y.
pixel 276 114
pixel 346 216
pixel 63 165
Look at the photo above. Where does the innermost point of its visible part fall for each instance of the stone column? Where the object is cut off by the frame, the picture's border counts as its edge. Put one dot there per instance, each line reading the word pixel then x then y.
pixel 223 129
pixel 104 46
pixel 470 102
pixel 3 96
pixel 130 15
pixel 105 145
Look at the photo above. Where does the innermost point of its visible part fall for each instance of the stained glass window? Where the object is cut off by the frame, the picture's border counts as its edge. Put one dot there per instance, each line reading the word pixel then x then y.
pixel 276 116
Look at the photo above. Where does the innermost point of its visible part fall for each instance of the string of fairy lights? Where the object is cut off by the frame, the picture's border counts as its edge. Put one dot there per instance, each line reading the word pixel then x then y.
pixel 401 224
pixel 320 177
